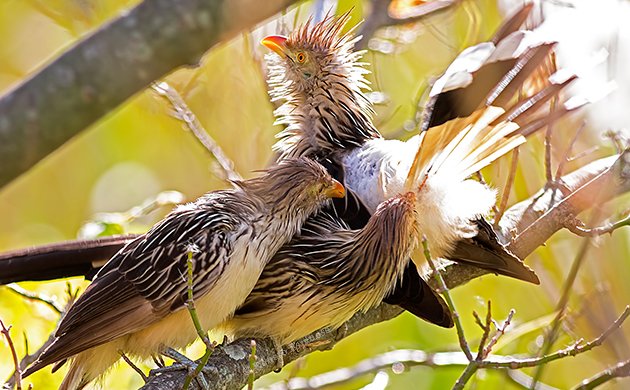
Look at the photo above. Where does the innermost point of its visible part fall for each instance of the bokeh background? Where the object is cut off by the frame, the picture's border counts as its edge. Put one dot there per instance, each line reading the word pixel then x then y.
pixel 140 150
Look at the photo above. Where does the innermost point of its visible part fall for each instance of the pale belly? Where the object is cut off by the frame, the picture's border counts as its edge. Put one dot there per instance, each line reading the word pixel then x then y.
pixel 294 319
pixel 177 330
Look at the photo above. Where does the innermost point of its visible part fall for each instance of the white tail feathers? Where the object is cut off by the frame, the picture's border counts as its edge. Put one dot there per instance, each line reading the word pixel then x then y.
pixel 463 146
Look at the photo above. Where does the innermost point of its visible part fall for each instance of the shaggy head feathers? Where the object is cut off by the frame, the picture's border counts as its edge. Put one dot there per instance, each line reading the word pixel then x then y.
pixel 319 78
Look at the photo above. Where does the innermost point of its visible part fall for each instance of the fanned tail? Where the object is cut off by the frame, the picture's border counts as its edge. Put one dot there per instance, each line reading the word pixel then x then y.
pixel 463 146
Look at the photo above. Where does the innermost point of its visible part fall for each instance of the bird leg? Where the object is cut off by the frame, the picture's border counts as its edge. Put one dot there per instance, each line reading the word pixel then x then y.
pixel 342 332
pixel 277 345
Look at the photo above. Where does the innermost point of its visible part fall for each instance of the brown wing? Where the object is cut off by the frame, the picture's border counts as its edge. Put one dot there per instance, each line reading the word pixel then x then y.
pixel 146 281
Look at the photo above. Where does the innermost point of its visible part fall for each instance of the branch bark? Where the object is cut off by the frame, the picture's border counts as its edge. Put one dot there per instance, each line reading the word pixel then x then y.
pixel 107 67
pixel 530 222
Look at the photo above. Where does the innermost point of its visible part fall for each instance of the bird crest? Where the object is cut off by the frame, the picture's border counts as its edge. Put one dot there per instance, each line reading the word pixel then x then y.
pixel 325 35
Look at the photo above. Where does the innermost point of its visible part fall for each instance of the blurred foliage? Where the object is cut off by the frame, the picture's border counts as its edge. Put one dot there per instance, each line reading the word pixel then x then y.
pixel 140 150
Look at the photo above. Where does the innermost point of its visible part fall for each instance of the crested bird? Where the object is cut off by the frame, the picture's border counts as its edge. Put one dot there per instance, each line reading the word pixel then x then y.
pixel 136 303
pixel 328 116
pixel 477 112
pixel 329 272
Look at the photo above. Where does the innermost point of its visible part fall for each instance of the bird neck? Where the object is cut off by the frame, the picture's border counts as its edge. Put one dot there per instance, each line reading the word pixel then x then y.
pixel 333 114
pixel 384 246
pixel 283 209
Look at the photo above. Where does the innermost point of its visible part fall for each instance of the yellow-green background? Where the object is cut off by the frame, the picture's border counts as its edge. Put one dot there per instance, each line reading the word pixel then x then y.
pixel 139 150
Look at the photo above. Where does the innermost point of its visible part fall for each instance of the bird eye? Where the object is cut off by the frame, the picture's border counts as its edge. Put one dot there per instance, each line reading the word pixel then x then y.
pixel 300 58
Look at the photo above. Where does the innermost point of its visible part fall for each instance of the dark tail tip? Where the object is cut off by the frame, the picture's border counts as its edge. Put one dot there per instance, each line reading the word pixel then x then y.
pixel 414 295
pixel 486 252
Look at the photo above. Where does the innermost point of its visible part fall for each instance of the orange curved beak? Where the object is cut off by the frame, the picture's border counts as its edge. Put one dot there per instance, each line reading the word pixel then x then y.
pixel 277 43
pixel 336 190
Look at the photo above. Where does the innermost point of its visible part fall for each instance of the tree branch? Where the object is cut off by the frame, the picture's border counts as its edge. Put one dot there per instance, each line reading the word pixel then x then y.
pixel 380 16
pixel 93 77
pixel 530 222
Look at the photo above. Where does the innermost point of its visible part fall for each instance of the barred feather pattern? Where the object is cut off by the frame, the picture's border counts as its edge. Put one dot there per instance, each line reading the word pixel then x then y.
pixel 328 273
pixel 141 292
pixel 324 108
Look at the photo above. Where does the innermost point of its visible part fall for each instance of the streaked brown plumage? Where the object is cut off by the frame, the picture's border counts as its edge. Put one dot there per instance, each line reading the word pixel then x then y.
pixel 320 127
pixel 329 272
pixel 492 81
pixel 318 76
pixel 136 303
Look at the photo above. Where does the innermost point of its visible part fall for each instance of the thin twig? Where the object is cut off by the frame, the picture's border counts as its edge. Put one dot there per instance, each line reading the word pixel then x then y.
pixel 567 154
pixel 183 113
pixel 190 304
pixel 561 307
pixel 35 297
pixel 449 300
pixel 499 334
pixel 622 369
pixel 18 372
pixel 507 189
pixel 575 226
pixel 573 350
pixel 252 362
pixel 486 330
pixel 132 365
pixel 548 134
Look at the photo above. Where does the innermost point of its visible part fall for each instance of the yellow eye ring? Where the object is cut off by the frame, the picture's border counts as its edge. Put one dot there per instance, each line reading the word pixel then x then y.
pixel 300 58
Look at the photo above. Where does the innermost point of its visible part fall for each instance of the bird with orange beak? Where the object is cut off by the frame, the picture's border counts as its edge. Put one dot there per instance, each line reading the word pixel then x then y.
pixel 320 81
pixel 137 302
pixel 332 270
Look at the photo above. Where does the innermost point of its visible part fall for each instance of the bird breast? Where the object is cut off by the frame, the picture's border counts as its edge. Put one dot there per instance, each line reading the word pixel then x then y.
pixel 377 170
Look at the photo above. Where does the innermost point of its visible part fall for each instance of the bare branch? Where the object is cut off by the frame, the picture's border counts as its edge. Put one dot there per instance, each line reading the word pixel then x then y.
pixel 621 370
pixel 437 274
pixel 35 297
pixel 546 211
pixel 577 227
pixel 184 114
pixel 18 372
pixel 412 358
pixel 380 16
pixel 107 67
pixel 500 332
pixel 507 189
pixel 133 366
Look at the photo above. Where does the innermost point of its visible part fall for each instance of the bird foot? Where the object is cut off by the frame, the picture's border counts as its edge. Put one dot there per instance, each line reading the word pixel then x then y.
pixel 342 332
pixel 279 354
pixel 183 363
